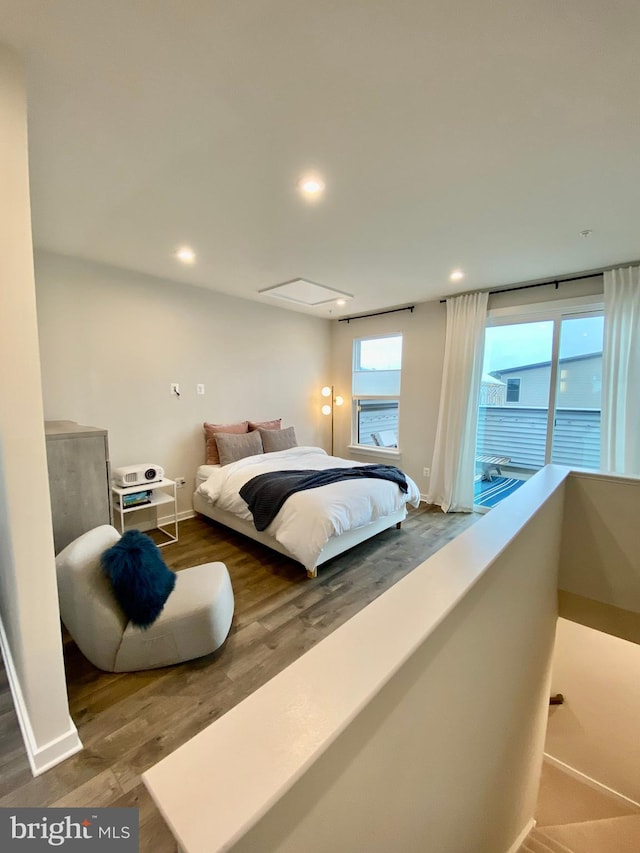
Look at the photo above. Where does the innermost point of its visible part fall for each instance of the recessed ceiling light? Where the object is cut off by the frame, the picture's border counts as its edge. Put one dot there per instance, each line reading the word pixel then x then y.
pixel 186 255
pixel 341 301
pixel 311 186
pixel 456 275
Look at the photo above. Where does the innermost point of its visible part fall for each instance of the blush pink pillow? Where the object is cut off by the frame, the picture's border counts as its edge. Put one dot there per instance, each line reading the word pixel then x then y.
pixel 212 456
pixel 276 424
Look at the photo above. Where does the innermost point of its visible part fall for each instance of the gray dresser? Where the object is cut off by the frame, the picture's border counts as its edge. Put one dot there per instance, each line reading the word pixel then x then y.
pixel 78 463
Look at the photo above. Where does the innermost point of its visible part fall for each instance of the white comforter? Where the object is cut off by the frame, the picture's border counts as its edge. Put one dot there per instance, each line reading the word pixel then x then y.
pixel 309 518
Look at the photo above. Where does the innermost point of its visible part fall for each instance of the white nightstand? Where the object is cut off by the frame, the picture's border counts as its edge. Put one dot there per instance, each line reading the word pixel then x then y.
pixel 163 492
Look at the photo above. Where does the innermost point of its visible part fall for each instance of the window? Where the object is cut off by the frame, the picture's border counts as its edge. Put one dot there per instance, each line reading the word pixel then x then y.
pixel 513 390
pixel 556 349
pixel 377 366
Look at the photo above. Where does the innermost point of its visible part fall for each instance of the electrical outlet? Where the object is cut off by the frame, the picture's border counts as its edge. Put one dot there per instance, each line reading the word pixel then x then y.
pixel 426 472
pixel 175 389
pixel 180 482
pixel 199 388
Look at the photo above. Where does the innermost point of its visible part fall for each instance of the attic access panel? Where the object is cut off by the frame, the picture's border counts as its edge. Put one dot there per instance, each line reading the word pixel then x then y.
pixel 304 292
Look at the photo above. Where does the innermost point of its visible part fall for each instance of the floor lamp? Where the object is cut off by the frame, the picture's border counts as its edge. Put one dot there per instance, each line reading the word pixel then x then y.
pixel 327 408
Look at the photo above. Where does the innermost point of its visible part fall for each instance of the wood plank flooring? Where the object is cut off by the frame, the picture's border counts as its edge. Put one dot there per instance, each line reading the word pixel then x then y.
pixel 127 722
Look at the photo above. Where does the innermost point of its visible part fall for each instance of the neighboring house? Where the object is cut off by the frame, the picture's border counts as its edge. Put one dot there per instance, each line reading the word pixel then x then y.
pixel 513 415
pixel 580 382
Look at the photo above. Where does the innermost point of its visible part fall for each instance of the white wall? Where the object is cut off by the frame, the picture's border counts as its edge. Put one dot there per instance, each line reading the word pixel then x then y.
pixel 601 546
pixel 447 756
pixel 113 341
pixel 592 286
pixel 596 731
pixel 29 614
pixel 417 725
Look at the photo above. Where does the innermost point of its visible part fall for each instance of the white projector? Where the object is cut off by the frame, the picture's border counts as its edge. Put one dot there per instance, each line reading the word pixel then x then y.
pixel 137 475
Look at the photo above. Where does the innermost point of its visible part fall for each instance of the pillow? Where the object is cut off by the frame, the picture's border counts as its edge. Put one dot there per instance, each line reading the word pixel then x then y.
pixel 210 430
pixel 232 447
pixel 140 579
pixel 265 424
pixel 281 439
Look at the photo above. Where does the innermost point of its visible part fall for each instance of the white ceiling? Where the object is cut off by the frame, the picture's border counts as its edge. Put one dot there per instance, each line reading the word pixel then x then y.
pixel 450 133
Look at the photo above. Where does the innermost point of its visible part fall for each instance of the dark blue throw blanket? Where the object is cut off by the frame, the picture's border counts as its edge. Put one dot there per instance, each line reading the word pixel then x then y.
pixel 266 493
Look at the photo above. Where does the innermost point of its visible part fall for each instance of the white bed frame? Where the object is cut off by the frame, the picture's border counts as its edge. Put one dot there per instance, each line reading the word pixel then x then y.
pixel 336 545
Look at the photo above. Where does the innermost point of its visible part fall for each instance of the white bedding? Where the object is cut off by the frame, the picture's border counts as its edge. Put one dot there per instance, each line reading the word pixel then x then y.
pixel 205 471
pixel 308 519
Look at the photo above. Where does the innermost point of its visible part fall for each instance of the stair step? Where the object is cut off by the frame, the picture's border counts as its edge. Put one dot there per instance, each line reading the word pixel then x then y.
pixel 534 845
pixel 565 799
pixel 607 835
pixel 540 843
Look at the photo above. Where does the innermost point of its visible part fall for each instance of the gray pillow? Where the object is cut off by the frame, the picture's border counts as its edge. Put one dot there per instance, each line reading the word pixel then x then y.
pixel 277 439
pixel 232 447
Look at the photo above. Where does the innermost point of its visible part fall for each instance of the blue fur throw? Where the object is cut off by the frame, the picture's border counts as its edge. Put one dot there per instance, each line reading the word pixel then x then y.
pixel 140 579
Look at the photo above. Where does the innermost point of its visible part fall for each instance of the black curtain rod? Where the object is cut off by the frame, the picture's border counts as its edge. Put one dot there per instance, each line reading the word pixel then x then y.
pixel 377 314
pixel 556 281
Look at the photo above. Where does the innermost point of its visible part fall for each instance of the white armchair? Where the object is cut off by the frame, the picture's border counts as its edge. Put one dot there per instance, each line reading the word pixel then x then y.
pixel 195 620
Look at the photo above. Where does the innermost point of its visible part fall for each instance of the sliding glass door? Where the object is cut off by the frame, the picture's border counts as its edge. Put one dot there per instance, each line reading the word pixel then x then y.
pixel 514 395
pixel 539 398
pixel 576 425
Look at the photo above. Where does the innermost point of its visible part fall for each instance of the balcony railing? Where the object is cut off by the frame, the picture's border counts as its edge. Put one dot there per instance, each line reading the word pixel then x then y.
pixel 377 416
pixel 520 433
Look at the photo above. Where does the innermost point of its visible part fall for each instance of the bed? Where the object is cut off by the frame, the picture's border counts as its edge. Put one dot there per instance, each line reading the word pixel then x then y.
pixel 313 525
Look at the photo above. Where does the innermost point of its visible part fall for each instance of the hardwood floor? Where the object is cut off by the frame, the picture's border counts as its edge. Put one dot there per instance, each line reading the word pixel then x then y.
pixel 129 721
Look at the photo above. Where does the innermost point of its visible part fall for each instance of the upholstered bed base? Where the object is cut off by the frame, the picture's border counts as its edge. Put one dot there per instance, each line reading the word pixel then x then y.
pixel 336 545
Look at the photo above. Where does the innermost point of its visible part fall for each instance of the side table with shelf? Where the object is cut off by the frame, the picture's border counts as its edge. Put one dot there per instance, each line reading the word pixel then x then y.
pixel 162 492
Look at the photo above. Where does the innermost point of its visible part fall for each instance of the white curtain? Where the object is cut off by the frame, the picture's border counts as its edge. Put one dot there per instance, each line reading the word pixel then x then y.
pixel 453 466
pixel 620 429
